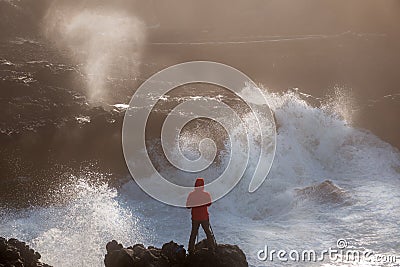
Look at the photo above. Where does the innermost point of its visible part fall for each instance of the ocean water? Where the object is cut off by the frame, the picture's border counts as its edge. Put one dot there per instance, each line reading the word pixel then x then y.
pixel 314 144
pixel 60 59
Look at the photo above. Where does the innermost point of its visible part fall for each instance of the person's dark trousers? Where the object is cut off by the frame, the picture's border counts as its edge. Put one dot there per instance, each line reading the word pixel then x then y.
pixel 195 229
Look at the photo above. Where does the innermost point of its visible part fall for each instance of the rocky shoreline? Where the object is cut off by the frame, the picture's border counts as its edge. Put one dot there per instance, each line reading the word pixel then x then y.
pixel 173 255
pixel 15 253
pixel 18 254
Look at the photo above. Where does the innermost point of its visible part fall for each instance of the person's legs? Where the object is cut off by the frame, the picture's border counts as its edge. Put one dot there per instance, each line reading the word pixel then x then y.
pixel 193 234
pixel 210 237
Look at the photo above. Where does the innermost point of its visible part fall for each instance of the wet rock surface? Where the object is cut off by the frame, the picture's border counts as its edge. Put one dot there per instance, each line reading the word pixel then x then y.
pixel 16 253
pixel 172 254
pixel 326 193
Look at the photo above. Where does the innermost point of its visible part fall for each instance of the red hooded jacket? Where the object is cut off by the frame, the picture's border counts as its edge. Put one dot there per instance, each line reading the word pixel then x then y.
pixel 198 200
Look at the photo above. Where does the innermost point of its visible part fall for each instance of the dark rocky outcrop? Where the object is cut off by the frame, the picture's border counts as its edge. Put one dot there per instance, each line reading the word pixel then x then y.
pixel 326 193
pixel 173 255
pixel 18 254
pixel 225 255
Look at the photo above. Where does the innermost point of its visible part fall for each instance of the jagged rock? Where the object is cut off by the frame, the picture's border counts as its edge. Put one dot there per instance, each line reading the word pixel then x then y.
pixel 17 253
pixel 224 256
pixel 325 192
pixel 173 255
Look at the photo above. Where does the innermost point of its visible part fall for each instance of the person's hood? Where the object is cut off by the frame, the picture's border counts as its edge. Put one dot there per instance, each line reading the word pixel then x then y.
pixel 199 184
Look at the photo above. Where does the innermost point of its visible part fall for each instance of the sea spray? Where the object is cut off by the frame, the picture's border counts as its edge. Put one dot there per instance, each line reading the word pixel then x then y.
pixel 107 42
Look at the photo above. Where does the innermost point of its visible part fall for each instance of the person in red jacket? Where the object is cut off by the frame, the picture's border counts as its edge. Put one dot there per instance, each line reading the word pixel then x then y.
pixel 199 201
